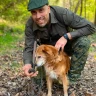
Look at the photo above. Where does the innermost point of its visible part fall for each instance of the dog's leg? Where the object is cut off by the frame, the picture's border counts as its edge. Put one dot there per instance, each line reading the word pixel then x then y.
pixel 65 85
pixel 49 85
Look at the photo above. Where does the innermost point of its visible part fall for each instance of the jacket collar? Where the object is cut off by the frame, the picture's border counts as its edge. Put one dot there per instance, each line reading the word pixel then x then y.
pixel 53 21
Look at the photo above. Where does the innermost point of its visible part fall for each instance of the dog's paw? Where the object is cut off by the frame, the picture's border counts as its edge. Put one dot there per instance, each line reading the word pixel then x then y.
pixel 72 94
pixel 65 94
pixel 49 95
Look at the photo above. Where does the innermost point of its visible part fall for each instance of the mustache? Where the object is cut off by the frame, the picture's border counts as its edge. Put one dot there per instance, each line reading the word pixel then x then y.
pixel 41 18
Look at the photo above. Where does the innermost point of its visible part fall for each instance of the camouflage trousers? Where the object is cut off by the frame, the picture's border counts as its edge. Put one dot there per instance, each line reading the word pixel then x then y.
pixel 79 52
pixel 79 56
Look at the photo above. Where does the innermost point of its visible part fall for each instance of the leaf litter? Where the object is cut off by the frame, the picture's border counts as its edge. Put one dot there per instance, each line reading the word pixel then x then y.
pixel 14 83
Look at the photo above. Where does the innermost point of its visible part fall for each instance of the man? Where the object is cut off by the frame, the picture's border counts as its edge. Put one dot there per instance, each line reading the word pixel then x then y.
pixel 51 24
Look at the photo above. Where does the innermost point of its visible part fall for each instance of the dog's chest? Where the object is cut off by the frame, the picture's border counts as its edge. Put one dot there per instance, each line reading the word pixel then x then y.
pixel 51 72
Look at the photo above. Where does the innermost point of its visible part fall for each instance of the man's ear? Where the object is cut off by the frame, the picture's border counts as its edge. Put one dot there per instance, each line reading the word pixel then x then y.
pixel 49 8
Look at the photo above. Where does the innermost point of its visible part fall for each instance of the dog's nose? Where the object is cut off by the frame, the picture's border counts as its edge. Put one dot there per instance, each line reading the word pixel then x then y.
pixel 35 64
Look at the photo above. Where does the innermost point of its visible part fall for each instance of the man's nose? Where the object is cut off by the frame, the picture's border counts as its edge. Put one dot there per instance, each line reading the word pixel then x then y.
pixel 38 15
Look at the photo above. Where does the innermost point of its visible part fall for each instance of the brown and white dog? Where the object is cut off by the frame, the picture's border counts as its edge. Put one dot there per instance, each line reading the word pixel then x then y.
pixel 56 65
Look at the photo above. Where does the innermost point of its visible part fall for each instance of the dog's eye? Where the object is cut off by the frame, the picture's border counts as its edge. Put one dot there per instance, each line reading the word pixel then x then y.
pixel 39 57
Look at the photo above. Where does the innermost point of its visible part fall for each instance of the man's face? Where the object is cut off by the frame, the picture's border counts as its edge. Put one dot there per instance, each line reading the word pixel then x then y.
pixel 41 15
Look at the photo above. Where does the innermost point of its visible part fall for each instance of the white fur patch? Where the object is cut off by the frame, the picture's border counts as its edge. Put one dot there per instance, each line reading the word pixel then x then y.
pixel 53 74
pixel 65 94
pixel 50 72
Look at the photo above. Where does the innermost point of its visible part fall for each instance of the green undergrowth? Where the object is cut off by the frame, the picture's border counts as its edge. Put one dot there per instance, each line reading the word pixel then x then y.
pixel 93 41
pixel 10 35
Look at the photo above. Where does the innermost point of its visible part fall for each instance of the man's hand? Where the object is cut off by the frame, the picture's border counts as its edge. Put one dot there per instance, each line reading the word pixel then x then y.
pixel 26 68
pixel 61 43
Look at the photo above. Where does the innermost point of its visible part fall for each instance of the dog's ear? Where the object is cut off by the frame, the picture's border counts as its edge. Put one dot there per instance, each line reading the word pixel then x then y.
pixel 60 50
pixel 47 50
pixel 59 56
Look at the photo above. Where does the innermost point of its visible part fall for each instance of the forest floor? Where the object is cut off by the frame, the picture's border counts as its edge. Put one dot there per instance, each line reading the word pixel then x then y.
pixel 13 83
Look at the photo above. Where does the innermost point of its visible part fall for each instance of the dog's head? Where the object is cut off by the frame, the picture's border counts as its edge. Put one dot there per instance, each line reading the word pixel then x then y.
pixel 45 53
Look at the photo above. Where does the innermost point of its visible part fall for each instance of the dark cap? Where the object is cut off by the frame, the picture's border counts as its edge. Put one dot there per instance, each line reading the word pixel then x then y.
pixel 35 4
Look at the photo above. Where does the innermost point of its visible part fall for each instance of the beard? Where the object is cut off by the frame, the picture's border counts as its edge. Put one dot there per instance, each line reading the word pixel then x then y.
pixel 42 21
pixel 42 25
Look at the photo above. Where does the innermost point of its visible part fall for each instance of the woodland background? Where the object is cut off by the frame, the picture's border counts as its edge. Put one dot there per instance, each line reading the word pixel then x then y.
pixel 16 10
pixel 13 16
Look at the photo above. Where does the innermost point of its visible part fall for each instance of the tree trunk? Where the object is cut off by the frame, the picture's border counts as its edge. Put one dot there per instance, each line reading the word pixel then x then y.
pixel 66 4
pixel 77 6
pixel 81 9
pixel 70 2
pixel 95 14
pixel 85 8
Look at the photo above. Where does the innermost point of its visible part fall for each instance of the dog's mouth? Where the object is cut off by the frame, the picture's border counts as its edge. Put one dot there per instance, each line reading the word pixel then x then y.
pixel 40 62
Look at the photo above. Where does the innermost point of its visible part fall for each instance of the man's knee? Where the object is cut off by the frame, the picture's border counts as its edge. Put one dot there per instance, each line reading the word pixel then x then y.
pixel 79 57
pixel 82 43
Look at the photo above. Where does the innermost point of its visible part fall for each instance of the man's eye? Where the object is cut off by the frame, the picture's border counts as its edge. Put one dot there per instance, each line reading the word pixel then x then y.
pixel 33 12
pixel 41 10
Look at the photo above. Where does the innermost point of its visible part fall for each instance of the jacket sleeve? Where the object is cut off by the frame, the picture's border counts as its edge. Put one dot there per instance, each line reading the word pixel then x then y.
pixel 29 42
pixel 80 26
